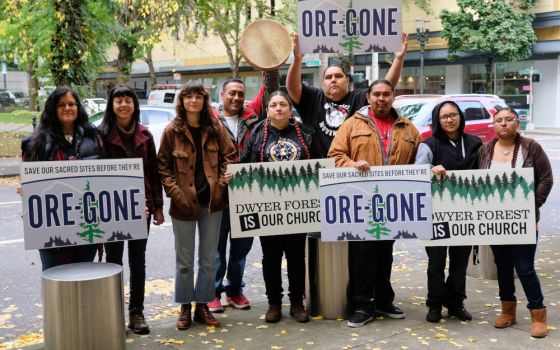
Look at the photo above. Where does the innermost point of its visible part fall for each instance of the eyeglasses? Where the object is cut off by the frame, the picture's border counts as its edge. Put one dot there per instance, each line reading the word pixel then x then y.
pixel 507 120
pixel 452 116
pixel 66 105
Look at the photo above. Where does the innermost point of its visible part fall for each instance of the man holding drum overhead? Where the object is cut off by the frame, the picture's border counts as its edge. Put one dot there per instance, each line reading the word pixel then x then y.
pixel 325 109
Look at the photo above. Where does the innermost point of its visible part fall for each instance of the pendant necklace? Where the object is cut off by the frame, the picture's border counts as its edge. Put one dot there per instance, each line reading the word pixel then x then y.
pixel 69 137
pixel 506 152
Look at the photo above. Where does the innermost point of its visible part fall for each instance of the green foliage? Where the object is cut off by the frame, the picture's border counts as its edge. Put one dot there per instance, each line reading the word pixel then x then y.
pixel 65 38
pixel 284 179
pixel 497 28
pixel 477 189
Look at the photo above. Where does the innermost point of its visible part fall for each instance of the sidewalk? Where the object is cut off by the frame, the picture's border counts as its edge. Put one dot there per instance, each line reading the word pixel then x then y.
pixel 247 330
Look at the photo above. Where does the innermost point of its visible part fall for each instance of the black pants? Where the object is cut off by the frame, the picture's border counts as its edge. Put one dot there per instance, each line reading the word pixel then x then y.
pixel 273 247
pixel 369 267
pixel 137 264
pixel 451 292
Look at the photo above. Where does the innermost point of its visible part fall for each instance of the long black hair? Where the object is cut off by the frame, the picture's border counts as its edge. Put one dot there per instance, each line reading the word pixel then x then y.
pixel 109 118
pixel 207 121
pixel 49 123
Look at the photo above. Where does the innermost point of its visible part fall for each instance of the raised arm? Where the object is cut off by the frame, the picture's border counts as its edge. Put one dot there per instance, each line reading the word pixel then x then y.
pixel 293 80
pixel 394 72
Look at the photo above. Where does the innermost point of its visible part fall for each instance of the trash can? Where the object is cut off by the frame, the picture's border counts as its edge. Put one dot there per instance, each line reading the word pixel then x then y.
pixel 327 272
pixel 83 307
pixel 481 263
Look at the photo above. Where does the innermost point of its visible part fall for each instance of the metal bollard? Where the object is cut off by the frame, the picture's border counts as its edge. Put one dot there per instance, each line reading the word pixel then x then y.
pixel 481 263
pixel 327 271
pixel 83 307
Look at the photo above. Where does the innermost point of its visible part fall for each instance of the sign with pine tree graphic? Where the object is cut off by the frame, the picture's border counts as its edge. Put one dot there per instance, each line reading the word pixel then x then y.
pixel 388 202
pixel 80 202
pixel 275 198
pixel 483 207
pixel 349 26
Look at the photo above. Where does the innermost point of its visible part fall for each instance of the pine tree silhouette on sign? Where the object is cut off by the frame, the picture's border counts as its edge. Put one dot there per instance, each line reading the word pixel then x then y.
pixel 378 229
pixel 90 230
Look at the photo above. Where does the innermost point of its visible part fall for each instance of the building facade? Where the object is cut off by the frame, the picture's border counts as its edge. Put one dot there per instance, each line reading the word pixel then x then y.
pixel 206 60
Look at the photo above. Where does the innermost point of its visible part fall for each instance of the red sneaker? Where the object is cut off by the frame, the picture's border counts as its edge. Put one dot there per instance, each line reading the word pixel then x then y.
pixel 239 302
pixel 216 305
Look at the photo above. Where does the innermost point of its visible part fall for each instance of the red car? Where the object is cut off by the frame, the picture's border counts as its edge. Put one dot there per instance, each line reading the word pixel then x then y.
pixel 478 110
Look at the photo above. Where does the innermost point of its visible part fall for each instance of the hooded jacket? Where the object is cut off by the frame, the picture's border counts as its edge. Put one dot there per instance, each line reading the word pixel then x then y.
pixel 439 149
pixel 358 139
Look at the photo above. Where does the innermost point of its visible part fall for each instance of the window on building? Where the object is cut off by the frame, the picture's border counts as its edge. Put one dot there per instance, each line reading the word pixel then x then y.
pixel 513 82
pixel 409 82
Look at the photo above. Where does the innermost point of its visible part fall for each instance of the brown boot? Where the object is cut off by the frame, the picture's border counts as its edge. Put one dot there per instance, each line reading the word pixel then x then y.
pixel 507 317
pixel 274 313
pixel 184 321
pixel 539 328
pixel 299 313
pixel 203 315
pixel 137 322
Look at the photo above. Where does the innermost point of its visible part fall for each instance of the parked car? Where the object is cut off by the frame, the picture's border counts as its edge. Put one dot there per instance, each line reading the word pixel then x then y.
pixel 7 98
pixel 155 118
pixel 94 105
pixel 478 110
pixel 164 95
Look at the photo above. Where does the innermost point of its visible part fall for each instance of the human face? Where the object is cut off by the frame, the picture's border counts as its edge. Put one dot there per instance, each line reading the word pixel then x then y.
pixel 449 120
pixel 279 112
pixel 193 103
pixel 380 99
pixel 233 97
pixel 505 124
pixel 335 84
pixel 123 106
pixel 67 110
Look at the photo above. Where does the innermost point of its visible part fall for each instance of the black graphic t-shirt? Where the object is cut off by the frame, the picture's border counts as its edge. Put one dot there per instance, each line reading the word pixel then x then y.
pixel 282 145
pixel 326 116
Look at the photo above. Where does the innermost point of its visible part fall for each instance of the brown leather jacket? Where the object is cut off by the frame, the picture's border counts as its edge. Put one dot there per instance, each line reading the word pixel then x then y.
pixel 533 156
pixel 176 161
pixel 358 139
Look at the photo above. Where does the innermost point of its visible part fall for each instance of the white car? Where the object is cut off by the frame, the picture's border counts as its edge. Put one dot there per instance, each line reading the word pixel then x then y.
pixel 155 118
pixel 94 105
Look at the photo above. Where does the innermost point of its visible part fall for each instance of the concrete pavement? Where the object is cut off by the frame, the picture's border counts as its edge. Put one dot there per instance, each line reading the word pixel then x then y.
pixel 247 330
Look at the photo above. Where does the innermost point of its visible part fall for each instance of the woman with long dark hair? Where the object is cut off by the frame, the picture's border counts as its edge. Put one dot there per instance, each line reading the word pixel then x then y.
pixel 63 133
pixel 125 137
pixel 449 148
pixel 510 150
pixel 280 137
pixel 194 153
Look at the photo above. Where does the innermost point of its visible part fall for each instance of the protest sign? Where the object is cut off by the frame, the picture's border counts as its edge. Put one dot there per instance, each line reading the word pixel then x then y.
pixel 349 26
pixel 482 207
pixel 275 198
pixel 67 203
pixel 384 203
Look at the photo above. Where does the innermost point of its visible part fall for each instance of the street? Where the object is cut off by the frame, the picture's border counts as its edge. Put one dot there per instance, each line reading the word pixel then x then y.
pixel 20 289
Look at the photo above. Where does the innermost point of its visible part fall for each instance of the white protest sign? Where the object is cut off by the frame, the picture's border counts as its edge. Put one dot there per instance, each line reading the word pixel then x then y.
pixel 357 26
pixel 384 203
pixel 275 198
pixel 483 207
pixel 82 202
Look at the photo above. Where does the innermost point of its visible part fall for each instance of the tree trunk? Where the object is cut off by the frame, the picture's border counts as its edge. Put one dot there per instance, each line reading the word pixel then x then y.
pixel 33 89
pixel 489 75
pixel 124 62
pixel 150 62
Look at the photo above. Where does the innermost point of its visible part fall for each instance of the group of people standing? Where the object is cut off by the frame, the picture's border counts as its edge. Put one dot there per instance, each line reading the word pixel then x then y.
pixel 358 128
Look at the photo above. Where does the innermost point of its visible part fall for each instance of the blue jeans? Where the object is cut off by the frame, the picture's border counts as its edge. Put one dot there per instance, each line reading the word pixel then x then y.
pixel 238 250
pixel 522 258
pixel 67 255
pixel 186 291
